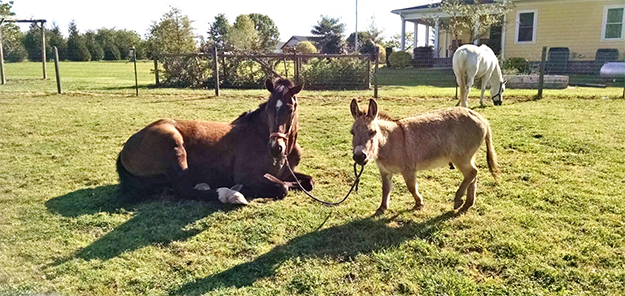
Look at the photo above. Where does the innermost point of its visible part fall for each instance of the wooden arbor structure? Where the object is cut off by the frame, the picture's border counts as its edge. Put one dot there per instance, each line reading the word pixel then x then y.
pixel 43 44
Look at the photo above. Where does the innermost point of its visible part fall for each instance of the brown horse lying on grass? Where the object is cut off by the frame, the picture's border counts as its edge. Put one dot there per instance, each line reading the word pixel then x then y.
pixel 193 156
pixel 423 142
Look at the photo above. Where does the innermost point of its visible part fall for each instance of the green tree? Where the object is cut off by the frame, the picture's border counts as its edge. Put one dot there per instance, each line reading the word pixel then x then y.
pixel 305 47
pixel 268 33
pixel 363 37
pixel 218 33
pixel 375 34
pixel 331 30
pixel 56 39
pixel 32 43
pixel 395 41
pixel 172 34
pixel 474 18
pixel 76 46
pixel 12 36
pixel 243 35
pixel 95 50
pixel 124 40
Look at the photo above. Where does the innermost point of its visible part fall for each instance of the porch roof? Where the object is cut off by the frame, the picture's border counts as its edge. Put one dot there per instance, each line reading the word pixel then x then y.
pixel 417 13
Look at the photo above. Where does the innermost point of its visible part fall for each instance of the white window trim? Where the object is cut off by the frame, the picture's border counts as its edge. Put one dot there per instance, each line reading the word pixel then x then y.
pixel 518 22
pixel 605 21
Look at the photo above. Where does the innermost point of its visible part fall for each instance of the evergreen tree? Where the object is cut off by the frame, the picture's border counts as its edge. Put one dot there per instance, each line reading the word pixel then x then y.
pixel 32 43
pixel 218 33
pixel 55 38
pixel 331 30
pixel 95 50
pixel 124 40
pixel 76 48
pixel 172 34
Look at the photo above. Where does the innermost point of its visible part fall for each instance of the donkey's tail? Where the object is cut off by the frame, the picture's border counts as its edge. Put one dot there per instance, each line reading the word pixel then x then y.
pixel 491 155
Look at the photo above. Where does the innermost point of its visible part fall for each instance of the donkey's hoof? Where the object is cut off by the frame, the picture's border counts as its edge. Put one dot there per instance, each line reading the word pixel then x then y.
pixel 379 212
pixel 418 207
pixel 458 203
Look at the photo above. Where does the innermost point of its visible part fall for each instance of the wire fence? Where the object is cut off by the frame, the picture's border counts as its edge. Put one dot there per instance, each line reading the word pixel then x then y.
pixel 564 67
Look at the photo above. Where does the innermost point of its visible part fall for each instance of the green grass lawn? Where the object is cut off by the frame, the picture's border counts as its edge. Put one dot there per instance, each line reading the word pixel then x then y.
pixel 554 226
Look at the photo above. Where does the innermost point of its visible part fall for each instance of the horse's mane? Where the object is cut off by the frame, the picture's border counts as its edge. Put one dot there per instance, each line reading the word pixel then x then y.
pixel 250 116
pixel 284 82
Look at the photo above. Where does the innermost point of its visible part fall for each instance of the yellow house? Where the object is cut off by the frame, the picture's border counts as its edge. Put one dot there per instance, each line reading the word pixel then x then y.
pixel 580 27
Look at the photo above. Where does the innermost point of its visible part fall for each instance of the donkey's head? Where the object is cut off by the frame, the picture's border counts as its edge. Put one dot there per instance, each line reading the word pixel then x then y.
pixel 365 131
pixel 281 115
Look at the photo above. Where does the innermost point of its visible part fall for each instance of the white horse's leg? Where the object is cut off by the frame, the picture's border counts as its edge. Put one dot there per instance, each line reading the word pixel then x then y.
pixel 467 89
pixel 484 82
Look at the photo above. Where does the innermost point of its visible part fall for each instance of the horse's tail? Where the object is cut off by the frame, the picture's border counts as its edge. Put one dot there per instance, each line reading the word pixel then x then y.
pixel 133 187
pixel 491 155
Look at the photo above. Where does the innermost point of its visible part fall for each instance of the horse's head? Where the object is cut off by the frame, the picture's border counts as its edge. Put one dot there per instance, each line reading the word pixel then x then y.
pixel 281 112
pixel 497 90
pixel 365 132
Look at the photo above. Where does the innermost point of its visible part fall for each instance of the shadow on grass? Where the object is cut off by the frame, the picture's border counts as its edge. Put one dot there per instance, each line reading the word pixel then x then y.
pixel 158 222
pixel 345 241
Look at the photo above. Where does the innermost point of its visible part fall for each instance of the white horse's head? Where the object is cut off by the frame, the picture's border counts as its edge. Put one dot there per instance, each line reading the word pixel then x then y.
pixel 496 91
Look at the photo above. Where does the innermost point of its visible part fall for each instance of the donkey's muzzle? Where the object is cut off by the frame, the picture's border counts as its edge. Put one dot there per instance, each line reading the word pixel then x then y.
pixel 360 158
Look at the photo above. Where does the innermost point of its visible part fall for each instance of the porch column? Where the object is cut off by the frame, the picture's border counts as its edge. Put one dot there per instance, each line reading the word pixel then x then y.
pixel 403 34
pixel 416 34
pixel 436 41
pixel 503 38
pixel 427 35
pixel 477 39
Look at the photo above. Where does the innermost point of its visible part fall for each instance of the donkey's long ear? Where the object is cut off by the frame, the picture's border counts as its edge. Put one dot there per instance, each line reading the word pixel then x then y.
pixel 296 89
pixel 373 109
pixel 269 85
pixel 355 109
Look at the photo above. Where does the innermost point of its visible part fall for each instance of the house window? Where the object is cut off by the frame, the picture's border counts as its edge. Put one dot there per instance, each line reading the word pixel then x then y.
pixel 613 18
pixel 526 27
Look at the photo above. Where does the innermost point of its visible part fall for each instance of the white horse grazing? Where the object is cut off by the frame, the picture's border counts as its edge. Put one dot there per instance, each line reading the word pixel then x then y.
pixel 471 62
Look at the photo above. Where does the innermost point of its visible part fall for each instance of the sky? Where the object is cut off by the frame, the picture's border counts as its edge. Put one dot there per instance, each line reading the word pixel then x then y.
pixel 291 17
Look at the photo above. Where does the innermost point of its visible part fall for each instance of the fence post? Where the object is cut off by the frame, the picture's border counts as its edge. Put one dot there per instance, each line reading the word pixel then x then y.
pixel 3 79
pixel 134 60
pixel 56 70
pixel 156 71
pixel 375 72
pixel 297 62
pixel 368 76
pixel 216 71
pixel 541 77
pixel 43 50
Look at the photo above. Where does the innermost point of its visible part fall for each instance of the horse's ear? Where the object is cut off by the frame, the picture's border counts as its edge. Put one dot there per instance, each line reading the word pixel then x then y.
pixel 269 85
pixel 373 109
pixel 296 89
pixel 355 109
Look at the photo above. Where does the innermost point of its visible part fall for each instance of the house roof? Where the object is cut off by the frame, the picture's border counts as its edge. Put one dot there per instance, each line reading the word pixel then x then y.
pixel 296 39
pixel 433 6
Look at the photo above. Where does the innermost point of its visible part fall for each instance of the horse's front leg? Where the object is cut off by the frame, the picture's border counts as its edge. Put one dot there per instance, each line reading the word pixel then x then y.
pixel 294 159
pixel 259 184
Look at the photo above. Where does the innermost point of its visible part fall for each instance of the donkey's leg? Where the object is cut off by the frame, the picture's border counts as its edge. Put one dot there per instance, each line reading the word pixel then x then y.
pixel 469 171
pixel 411 182
pixel 387 185
pixel 470 196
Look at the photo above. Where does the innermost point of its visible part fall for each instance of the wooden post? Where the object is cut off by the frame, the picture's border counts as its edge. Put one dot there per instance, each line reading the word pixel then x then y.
pixel 43 50
pixel 56 70
pixel 3 79
pixel 368 76
pixel 156 79
pixel 375 72
pixel 541 78
pixel 296 62
pixel 134 60
pixel 216 70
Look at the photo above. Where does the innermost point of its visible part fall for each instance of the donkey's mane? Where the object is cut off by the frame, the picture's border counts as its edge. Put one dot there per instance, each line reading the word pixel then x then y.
pixel 382 115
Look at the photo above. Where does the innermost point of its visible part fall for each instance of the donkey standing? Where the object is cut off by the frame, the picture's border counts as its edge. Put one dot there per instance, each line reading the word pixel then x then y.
pixel 471 62
pixel 423 142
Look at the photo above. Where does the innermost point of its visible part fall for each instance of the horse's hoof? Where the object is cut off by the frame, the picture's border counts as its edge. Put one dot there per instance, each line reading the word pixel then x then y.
pixel 202 187
pixel 457 204
pixel 229 196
